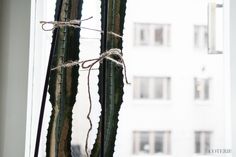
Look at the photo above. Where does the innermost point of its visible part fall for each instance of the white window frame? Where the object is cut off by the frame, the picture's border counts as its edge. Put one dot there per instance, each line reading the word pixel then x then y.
pixel 201 43
pixel 146 30
pixel 149 29
pixel 137 89
pixel 203 137
pixel 39 50
pixel 166 135
pixel 166 34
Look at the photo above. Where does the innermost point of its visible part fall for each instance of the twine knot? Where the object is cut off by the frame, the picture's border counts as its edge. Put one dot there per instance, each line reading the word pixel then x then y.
pixel 74 24
pixel 59 24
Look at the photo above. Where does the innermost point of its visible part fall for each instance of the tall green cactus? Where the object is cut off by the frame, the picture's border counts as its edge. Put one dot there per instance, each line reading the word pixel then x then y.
pixel 63 81
pixel 110 87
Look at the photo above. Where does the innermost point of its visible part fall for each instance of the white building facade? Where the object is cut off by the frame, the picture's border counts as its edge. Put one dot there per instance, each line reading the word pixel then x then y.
pixel 177 103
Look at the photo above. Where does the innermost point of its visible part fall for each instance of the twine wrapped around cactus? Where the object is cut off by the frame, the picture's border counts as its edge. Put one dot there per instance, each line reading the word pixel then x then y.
pixel 63 80
pixel 72 23
pixel 107 55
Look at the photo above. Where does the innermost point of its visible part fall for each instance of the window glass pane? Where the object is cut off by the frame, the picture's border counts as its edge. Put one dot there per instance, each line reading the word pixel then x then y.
pixel 159 145
pixel 202 89
pixel 200 37
pixel 144 88
pixel 197 86
pixel 141 87
pixel 167 141
pixel 159 35
pixel 168 88
pixel 158 88
pixel 207 142
pixel 144 142
pixel 196 37
pixel 206 37
pixel 197 142
pixel 206 89
pixel 142 35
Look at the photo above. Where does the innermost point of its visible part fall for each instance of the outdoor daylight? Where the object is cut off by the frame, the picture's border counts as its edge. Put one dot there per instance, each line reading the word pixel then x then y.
pixel 118 78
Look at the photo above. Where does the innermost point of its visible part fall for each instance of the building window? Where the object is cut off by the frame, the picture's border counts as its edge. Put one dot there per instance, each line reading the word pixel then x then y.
pixel 142 34
pixel 202 88
pixel 152 34
pixel 144 146
pixel 202 142
pixel 162 34
pixel 200 37
pixel 152 88
pixel 157 142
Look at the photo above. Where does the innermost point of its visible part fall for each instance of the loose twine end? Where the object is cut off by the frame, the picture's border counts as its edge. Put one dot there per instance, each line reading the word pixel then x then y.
pixel 74 24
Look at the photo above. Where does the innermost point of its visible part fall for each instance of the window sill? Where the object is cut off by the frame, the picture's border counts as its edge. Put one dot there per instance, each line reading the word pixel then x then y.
pixel 152 101
pixel 203 102
pixel 202 155
pixel 151 155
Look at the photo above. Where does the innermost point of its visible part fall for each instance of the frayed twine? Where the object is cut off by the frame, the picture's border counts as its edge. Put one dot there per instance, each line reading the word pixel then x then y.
pixel 84 64
pixel 72 23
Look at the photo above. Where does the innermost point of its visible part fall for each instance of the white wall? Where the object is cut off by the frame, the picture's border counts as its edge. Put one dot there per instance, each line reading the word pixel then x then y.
pixel 182 63
pixel 14 52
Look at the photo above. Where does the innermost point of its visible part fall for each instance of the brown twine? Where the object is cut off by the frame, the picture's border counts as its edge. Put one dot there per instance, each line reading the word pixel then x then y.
pixel 72 23
pixel 107 55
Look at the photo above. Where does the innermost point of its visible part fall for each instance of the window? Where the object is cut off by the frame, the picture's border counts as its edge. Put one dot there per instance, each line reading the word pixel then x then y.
pixel 152 34
pixel 144 146
pixel 162 34
pixel 202 142
pixel 157 142
pixel 142 34
pixel 200 37
pixel 202 88
pixel 152 88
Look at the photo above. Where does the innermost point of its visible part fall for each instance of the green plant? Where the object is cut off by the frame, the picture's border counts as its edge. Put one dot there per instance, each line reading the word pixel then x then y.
pixel 64 81
pixel 110 78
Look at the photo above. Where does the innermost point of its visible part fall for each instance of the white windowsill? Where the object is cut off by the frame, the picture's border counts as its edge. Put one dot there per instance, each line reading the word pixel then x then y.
pixel 151 155
pixel 152 102
pixel 203 102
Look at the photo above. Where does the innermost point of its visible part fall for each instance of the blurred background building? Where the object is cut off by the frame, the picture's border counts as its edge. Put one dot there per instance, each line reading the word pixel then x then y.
pixel 179 102
pixel 176 105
